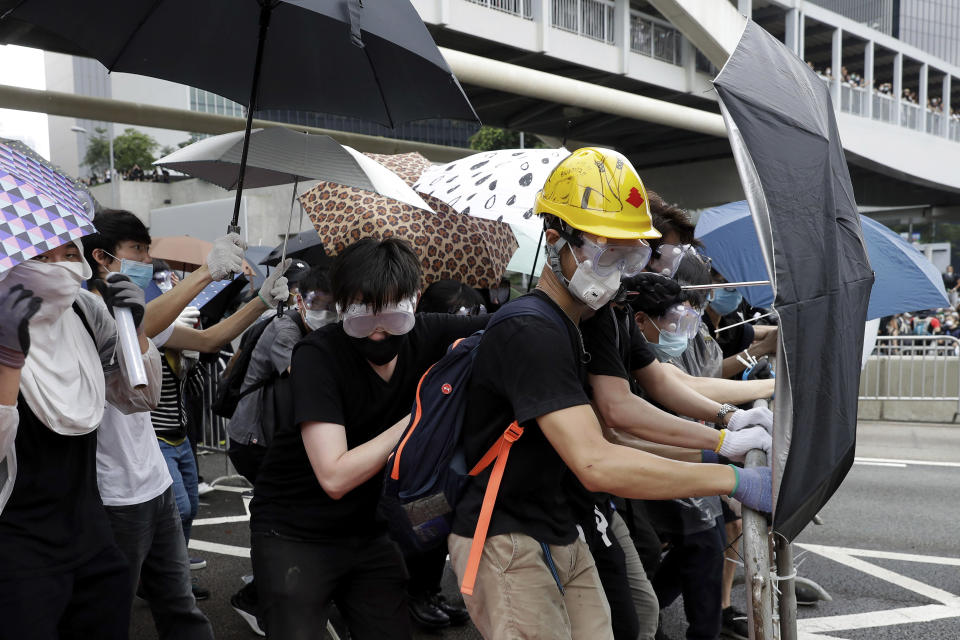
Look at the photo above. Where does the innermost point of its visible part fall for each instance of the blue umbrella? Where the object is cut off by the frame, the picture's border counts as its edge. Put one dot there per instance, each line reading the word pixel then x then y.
pixel 905 279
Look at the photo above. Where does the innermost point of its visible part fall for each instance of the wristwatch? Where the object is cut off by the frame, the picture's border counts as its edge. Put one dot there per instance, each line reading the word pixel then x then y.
pixel 725 408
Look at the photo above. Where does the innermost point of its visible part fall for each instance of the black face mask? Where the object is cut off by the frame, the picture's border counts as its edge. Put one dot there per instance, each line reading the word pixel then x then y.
pixel 379 352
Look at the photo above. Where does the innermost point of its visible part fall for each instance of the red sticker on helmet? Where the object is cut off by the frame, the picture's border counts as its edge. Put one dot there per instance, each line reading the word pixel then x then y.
pixel 446 389
pixel 635 198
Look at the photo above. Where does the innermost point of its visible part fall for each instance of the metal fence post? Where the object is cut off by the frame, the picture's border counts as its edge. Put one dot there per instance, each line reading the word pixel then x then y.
pixel 785 584
pixel 756 564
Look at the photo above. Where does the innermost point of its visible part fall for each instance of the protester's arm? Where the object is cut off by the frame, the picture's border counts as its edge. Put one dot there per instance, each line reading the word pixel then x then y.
pixel 211 340
pixel 721 389
pixel 625 411
pixel 9 416
pixel 273 291
pixel 667 390
pixel 339 469
pixel 163 310
pixel 225 259
pixel 601 466
pixel 663 450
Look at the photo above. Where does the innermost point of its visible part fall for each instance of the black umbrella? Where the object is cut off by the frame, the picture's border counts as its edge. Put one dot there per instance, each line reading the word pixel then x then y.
pixel 306 246
pixel 371 59
pixel 785 142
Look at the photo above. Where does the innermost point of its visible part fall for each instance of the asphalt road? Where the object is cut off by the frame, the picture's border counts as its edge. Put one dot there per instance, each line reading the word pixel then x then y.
pixel 888 553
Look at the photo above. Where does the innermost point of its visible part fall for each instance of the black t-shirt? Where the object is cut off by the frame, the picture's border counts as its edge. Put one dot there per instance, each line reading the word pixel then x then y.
pixel 949 281
pixel 732 341
pixel 54 520
pixel 525 367
pixel 615 344
pixel 332 382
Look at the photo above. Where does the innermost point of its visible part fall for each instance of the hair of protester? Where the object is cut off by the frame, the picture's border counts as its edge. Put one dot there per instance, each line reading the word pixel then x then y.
pixel 113 227
pixel 316 279
pixel 667 218
pixel 693 270
pixel 375 273
pixel 445 296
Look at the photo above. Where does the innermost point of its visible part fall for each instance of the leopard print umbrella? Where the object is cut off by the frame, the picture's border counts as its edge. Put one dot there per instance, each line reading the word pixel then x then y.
pixel 451 246
pixel 409 166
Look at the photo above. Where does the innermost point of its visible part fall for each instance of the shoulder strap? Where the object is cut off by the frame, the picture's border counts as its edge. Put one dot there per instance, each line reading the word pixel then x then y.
pixel 528 305
pixel 83 319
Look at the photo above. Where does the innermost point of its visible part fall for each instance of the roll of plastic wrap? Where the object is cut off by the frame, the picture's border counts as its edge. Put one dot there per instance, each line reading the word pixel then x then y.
pixel 127 335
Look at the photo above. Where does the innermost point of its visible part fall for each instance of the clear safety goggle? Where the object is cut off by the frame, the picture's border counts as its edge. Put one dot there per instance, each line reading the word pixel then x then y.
pixel 359 320
pixel 667 257
pixel 628 259
pixel 681 320
pixel 316 301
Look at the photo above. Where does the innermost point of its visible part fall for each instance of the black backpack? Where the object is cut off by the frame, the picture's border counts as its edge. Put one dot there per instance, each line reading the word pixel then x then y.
pixel 229 390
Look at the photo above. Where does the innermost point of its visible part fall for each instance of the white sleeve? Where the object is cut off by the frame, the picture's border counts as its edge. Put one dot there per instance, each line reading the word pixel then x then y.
pixel 9 420
pixel 161 338
pixel 120 393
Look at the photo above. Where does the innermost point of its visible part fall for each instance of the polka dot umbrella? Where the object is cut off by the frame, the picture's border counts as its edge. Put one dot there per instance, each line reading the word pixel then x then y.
pixel 495 185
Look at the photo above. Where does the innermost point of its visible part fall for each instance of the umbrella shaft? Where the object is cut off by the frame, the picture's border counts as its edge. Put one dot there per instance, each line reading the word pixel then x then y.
pixel 265 9
pixel 724 285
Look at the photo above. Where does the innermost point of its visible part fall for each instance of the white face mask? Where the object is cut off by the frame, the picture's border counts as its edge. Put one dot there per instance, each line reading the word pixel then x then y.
pixel 56 283
pixel 319 318
pixel 591 288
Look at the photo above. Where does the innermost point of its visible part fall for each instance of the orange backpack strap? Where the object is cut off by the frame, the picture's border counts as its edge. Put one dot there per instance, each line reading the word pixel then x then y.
pixel 499 452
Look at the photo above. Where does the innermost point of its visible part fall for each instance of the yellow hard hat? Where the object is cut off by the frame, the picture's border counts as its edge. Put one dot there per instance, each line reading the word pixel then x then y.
pixel 598 191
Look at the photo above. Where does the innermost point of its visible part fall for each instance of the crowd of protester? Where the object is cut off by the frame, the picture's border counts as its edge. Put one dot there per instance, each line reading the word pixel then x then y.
pixel 623 399
pixel 135 173
pixel 857 81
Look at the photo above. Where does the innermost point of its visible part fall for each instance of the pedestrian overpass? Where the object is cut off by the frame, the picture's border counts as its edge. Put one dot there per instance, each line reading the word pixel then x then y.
pixel 637 75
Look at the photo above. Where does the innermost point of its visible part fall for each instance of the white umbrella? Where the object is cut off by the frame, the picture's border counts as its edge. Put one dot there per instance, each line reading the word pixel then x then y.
pixel 496 185
pixel 530 244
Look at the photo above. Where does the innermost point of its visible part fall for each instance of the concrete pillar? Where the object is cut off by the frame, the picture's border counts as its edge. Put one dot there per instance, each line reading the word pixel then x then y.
pixel 792 38
pixel 443 11
pixel 745 7
pixel 922 98
pixel 836 61
pixel 897 86
pixel 868 77
pixel 801 36
pixel 542 18
pixel 689 53
pixel 946 104
pixel 621 18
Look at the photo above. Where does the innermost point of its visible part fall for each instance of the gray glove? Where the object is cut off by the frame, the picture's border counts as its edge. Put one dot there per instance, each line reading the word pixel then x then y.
pixel 226 257
pixel 758 416
pixel 274 289
pixel 119 291
pixel 736 444
pixel 17 306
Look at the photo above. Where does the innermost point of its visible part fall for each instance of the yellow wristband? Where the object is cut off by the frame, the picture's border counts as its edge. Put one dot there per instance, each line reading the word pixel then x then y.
pixel 723 434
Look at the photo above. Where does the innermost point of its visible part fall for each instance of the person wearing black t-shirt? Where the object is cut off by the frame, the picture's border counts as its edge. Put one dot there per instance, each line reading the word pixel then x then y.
pixel 315 535
pixel 532 369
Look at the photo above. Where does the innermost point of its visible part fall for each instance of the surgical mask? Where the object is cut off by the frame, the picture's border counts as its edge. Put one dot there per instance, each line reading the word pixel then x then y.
pixel 671 345
pixel 140 273
pixel 56 283
pixel 379 352
pixel 319 317
pixel 725 300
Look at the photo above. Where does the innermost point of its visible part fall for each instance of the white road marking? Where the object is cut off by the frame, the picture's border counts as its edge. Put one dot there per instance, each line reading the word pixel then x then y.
pixel 909 463
pixel 216 547
pixel 870 619
pixel 199 522
pixel 899 465
pixel 949 606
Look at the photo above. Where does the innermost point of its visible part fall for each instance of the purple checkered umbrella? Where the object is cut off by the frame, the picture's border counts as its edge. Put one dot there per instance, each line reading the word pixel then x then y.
pixel 39 209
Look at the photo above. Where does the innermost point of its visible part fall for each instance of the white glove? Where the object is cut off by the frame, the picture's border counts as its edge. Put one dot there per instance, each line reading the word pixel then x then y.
pixel 274 289
pixel 736 444
pixel 189 316
pixel 226 257
pixel 758 416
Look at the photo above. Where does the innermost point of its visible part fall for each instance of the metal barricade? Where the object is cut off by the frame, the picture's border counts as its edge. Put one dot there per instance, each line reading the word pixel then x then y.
pixel 214 433
pixel 913 367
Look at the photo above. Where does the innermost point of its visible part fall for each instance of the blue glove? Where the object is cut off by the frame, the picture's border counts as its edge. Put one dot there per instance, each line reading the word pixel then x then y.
pixel 754 488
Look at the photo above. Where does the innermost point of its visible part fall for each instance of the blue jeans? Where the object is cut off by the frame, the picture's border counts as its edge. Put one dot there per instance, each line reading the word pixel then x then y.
pixel 183 470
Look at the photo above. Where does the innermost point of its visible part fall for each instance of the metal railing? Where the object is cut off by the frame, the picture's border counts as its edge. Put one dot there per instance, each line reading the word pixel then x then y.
pixel 911 115
pixel 884 107
pixel 655 38
pixel 854 99
pixel 591 18
pixel 521 8
pixel 913 368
